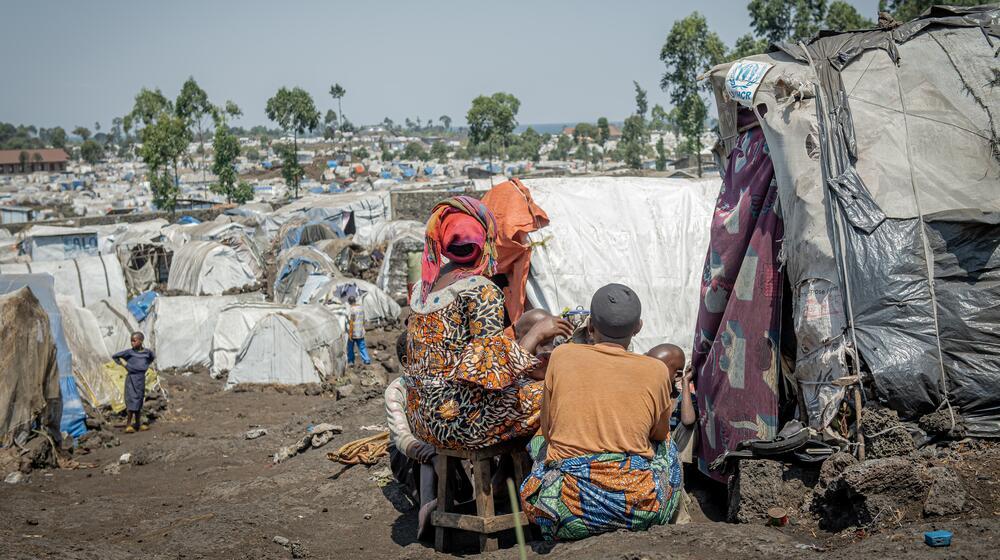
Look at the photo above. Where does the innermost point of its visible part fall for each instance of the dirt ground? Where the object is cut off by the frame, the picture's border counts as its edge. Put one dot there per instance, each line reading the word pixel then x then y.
pixel 197 488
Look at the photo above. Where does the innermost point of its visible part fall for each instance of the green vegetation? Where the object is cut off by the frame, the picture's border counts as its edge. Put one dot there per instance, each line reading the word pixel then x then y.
pixel 294 111
pixel 415 151
pixel 661 155
pixel 492 119
pixel 225 150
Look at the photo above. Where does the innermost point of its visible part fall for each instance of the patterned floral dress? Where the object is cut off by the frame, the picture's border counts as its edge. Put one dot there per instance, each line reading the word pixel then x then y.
pixel 467 383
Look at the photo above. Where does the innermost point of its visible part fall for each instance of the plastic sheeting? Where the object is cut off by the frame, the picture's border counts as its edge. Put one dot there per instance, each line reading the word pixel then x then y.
pixel 42 287
pixel 180 329
pixel 116 324
pixel 87 280
pixel 83 335
pixel 208 268
pixel 295 266
pixel 140 305
pixel 649 234
pixel 306 344
pixel 29 376
pixel 379 308
pixel 887 172
pixel 233 326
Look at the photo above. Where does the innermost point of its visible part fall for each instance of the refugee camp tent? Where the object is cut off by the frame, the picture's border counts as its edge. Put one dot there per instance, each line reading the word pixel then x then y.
pixel 294 266
pixel 208 268
pixel 352 212
pixel 380 309
pixel 380 235
pixel 87 280
pixel 83 336
pixel 233 326
pixel 29 375
pixel 649 234
pixel 401 262
pixel 116 324
pixel 72 416
pixel 180 328
pixel 56 243
pixel 231 234
pixel 302 230
pixel 886 172
pixel 306 344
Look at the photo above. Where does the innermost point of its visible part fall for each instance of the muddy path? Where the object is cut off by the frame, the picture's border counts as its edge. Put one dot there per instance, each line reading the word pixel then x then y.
pixel 197 488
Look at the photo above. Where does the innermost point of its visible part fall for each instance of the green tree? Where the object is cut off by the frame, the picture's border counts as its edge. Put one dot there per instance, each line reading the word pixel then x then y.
pixel 293 110
pixel 253 154
pixel 361 153
pixel 415 151
pixel 23 158
pixel 58 137
pixel 492 119
pixel 640 100
pixel 633 141
pixel 83 132
pixel 338 92
pixel 690 49
pixel 225 151
pixel 661 155
pixel 783 20
pixel 561 152
pixel 905 10
pixel 164 142
pixel 91 151
pixel 531 145
pixel 603 131
pixel 193 106
pixel 445 121
pixel 439 151
pixel 746 45
pixel 842 16
pixel 586 131
pixel 291 171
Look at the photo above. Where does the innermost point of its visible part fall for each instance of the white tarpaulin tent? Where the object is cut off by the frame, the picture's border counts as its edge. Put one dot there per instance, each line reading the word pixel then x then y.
pixel 83 335
pixel 208 268
pixel 180 329
pixel 649 234
pixel 87 280
pixel 116 323
pixel 306 344
pixel 379 308
pixel 233 326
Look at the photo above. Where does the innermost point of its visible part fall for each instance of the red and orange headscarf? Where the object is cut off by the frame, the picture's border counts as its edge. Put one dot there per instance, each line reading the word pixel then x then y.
pixel 461 220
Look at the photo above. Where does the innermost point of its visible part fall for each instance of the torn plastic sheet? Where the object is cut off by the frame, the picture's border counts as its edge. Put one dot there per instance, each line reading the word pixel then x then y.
pixel 859 208
pixel 819 329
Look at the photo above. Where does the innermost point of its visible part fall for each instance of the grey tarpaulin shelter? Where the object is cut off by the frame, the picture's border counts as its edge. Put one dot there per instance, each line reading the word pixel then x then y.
pixel 886 152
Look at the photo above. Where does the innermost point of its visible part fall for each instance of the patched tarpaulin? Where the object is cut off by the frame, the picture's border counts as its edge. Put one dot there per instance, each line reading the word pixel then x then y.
pixel 887 158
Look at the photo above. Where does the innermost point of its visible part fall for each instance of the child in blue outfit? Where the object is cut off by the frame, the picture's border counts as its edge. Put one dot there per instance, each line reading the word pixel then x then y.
pixel 136 361
pixel 356 332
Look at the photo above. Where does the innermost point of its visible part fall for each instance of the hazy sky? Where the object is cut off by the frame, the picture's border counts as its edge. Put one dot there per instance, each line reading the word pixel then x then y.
pixel 73 62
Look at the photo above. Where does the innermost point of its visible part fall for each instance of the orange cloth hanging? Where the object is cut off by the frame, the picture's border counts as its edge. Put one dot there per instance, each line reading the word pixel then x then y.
pixel 516 215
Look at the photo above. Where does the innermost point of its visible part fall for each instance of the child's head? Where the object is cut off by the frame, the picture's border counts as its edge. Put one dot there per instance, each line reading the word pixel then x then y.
pixel 352 299
pixel 529 319
pixel 137 338
pixel 672 356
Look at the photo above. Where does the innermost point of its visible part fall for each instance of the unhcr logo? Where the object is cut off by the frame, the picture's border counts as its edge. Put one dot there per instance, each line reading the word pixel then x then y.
pixel 744 78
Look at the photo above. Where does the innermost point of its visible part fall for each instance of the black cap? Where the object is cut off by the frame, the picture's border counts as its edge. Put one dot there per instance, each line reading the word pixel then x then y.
pixel 615 311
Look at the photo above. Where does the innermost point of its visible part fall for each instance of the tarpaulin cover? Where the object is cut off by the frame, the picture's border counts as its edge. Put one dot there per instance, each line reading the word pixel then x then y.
pixel 140 305
pixel 180 329
pixel 87 280
pixel 232 328
pixel 888 175
pixel 649 234
pixel 736 340
pixel 116 324
pixel 295 266
pixel 307 344
pixel 114 377
pixel 29 376
pixel 208 268
pixel 72 417
pixel 379 308
pixel 83 335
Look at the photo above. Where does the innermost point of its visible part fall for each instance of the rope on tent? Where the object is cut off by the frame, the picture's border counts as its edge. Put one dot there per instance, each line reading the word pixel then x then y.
pixel 364 451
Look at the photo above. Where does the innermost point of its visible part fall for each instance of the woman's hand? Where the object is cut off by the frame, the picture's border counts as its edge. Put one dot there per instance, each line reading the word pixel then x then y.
pixel 421 451
pixel 544 331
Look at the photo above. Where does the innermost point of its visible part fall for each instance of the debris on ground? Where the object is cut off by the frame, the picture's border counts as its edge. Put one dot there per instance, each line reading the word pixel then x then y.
pixel 255 433
pixel 125 459
pixel 16 477
pixel 316 437
pixel 292 546
pixel 943 424
pixel 364 451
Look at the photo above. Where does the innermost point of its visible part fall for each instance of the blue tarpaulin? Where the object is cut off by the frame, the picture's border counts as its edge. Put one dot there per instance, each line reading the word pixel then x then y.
pixel 188 220
pixel 408 172
pixel 386 175
pixel 293 236
pixel 140 305
pixel 332 164
pixel 43 288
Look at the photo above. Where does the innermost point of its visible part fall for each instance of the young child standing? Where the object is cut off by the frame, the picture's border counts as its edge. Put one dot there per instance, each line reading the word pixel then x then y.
pixel 685 415
pixel 136 361
pixel 356 332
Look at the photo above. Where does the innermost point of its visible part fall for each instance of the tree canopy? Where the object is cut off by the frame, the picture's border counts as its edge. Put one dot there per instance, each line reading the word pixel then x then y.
pixel 492 119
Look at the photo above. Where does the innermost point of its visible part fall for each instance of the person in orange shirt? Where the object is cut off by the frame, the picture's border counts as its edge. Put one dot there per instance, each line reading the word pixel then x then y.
pixel 603 456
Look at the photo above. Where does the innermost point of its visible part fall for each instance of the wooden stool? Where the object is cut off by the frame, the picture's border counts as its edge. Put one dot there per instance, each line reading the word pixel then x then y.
pixel 485 522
